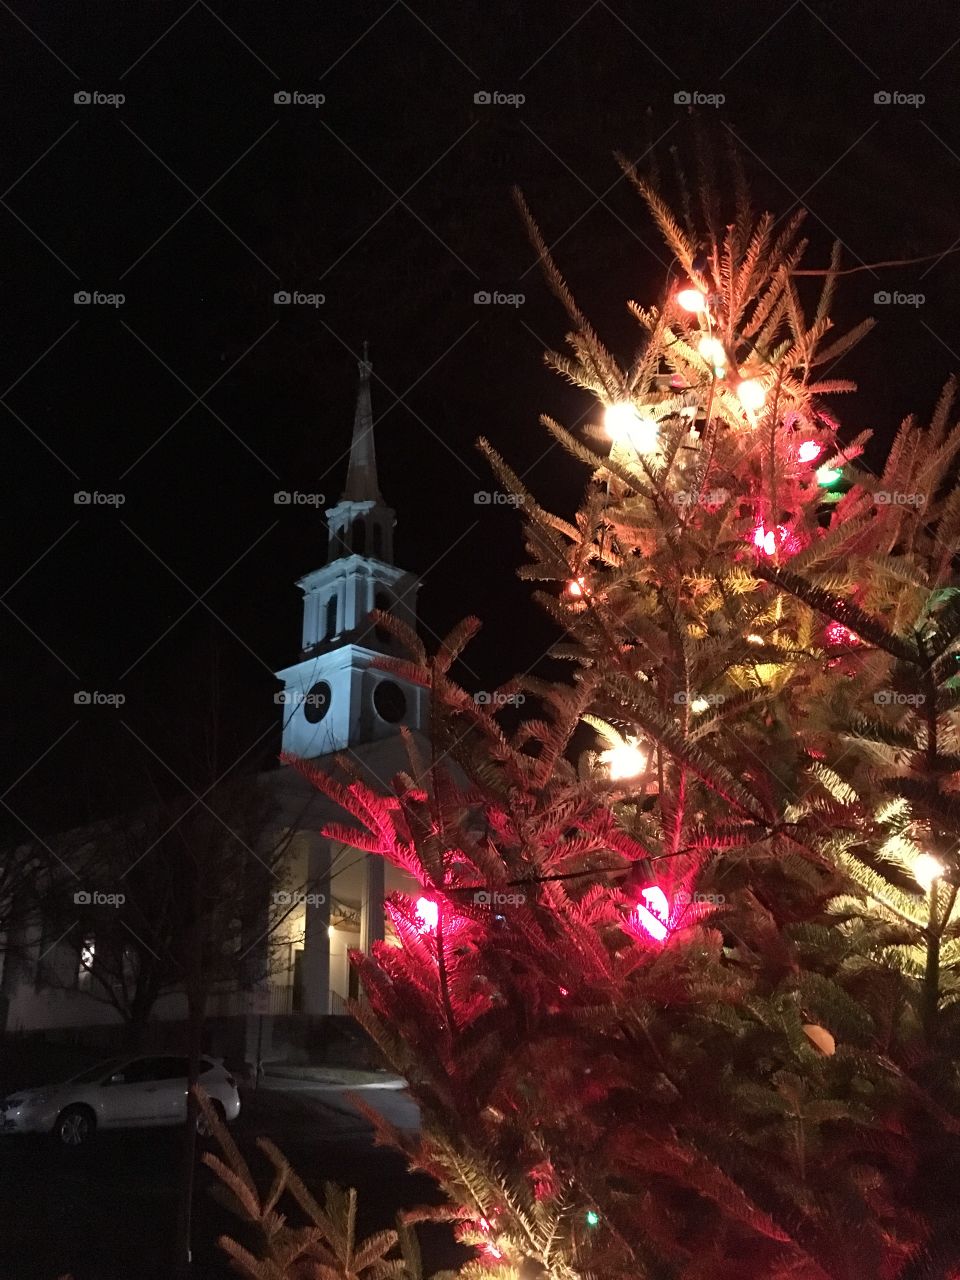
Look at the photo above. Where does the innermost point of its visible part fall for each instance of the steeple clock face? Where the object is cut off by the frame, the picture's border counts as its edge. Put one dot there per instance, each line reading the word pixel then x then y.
pixel 389 701
pixel 316 703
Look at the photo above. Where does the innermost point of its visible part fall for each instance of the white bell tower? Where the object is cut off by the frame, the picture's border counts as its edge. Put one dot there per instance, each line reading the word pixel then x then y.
pixel 333 700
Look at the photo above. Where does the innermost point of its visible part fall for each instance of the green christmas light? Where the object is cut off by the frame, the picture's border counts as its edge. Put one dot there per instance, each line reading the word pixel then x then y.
pixel 593 1218
pixel 826 476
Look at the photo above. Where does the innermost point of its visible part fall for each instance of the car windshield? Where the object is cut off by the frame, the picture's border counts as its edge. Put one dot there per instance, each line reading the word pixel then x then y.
pixel 96 1072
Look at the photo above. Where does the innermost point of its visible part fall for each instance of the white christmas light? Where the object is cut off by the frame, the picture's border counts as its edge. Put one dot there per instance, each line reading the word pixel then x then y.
pixel 752 394
pixel 699 705
pixel 753 638
pixel 626 425
pixel 712 351
pixel 627 760
pixel 692 300
pixel 926 870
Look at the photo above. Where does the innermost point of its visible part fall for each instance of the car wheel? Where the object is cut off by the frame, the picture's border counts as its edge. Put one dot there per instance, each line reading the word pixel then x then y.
pixel 203 1125
pixel 75 1126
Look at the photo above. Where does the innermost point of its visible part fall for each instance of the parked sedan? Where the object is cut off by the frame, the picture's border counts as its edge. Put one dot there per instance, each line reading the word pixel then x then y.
pixel 124 1093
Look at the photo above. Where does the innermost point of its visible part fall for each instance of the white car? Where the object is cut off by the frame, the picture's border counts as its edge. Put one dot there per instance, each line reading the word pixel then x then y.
pixel 124 1093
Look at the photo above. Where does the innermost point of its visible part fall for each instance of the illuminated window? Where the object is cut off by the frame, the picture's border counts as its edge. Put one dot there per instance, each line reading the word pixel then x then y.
pixel 87 956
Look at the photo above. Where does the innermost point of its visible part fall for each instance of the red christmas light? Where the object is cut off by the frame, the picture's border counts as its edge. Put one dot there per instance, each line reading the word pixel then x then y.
pixel 768 540
pixel 490 1249
pixel 663 913
pixel 543 1180
pixel 765 540
pixel 837 633
pixel 654 917
pixel 809 451
pixel 429 914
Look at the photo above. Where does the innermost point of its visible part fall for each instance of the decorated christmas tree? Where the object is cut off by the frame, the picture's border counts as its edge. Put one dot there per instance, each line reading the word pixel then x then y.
pixel 683 1005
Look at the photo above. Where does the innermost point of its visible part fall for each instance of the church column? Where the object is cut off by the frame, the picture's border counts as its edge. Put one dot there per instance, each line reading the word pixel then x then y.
pixel 371 906
pixel 316 940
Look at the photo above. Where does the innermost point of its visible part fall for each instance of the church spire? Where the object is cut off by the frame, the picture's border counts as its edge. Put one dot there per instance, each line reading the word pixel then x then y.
pixel 334 699
pixel 362 483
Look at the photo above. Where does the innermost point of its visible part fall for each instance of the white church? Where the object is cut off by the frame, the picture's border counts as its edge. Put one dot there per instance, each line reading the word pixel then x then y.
pixel 333 701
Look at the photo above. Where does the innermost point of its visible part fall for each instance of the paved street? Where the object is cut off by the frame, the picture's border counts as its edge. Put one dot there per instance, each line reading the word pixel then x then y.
pixel 391 1100
pixel 107 1213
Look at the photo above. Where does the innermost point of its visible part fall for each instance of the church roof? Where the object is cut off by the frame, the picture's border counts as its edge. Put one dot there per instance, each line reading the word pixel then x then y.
pixel 362 484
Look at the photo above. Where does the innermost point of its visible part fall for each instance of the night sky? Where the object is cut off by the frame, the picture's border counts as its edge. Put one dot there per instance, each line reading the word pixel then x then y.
pixel 200 197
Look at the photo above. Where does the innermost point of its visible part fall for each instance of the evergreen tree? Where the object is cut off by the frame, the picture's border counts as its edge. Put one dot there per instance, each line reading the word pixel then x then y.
pixel 687 1007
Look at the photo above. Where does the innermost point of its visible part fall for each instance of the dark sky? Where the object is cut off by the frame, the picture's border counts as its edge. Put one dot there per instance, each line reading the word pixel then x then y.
pixel 196 399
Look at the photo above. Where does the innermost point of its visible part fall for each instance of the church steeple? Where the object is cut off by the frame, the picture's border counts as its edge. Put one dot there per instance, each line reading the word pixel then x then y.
pixel 361 523
pixel 362 485
pixel 333 697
